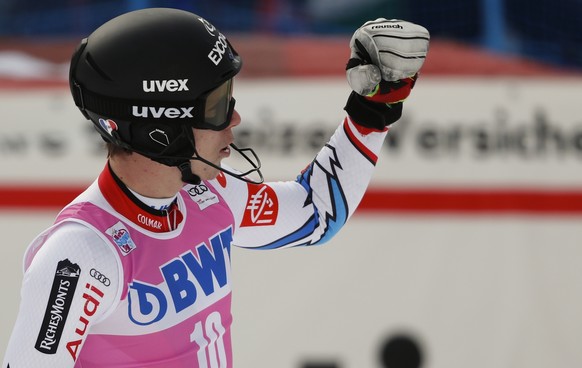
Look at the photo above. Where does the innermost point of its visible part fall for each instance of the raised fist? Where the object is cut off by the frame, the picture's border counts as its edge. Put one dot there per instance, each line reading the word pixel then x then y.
pixel 386 50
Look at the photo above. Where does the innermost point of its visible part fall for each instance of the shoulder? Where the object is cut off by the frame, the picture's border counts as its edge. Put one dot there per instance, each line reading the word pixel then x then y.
pixel 71 239
pixel 75 249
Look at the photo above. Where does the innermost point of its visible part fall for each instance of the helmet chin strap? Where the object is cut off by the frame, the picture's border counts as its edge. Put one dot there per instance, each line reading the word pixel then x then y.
pixel 191 178
pixel 187 175
pixel 182 161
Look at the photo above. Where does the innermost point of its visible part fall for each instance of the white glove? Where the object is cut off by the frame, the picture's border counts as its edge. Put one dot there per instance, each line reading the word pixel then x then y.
pixel 385 49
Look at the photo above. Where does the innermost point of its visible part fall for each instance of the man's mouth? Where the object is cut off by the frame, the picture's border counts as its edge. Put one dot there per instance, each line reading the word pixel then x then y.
pixel 225 150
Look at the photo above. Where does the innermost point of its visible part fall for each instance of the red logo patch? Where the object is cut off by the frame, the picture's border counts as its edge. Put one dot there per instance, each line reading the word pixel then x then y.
pixel 221 179
pixel 262 206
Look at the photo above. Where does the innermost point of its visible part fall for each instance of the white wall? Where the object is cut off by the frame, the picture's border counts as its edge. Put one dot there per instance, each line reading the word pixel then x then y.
pixel 470 132
pixel 476 290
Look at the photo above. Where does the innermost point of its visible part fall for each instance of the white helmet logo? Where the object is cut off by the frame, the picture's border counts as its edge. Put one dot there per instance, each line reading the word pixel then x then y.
pixel 159 136
pixel 209 27
pixel 171 85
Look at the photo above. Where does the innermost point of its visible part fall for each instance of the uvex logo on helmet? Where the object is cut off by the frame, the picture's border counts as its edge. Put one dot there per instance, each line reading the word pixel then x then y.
pixel 170 85
pixel 162 112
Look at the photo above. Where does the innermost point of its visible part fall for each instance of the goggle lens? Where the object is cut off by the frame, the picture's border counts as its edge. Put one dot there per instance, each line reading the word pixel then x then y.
pixel 219 106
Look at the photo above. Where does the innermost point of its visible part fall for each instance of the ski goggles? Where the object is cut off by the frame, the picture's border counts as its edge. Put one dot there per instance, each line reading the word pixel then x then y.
pixel 214 109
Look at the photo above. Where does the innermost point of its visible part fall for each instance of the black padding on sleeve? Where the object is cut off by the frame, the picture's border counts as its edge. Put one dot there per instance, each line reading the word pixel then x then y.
pixel 372 114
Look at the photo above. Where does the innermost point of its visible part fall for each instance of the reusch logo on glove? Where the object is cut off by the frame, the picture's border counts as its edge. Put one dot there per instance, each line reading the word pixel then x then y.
pixel 388 26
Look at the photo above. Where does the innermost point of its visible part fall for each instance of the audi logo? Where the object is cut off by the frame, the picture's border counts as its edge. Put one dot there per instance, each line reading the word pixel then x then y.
pixel 100 277
pixel 197 190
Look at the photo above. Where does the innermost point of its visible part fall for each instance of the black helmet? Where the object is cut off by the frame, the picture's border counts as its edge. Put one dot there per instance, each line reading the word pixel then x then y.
pixel 144 79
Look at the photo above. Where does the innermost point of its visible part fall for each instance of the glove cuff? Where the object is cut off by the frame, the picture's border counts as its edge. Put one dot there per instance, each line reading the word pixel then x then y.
pixel 372 114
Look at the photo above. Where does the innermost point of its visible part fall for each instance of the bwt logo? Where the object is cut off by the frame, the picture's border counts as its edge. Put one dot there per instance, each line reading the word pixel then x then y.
pixel 184 278
pixel 171 85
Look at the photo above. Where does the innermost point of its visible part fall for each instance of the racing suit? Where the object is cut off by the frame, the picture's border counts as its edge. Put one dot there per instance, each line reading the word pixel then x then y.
pixel 115 283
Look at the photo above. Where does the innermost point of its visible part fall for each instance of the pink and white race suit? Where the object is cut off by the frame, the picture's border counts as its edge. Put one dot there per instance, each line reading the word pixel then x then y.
pixel 115 283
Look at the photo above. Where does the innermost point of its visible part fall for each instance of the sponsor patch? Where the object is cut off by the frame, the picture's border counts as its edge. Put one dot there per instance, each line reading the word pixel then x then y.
pixel 92 296
pixel 160 137
pixel 209 27
pixel 121 237
pixel 170 85
pixel 188 280
pixel 148 112
pixel 202 196
pixel 262 206
pixel 108 125
pixel 221 179
pixel 100 277
pixel 60 299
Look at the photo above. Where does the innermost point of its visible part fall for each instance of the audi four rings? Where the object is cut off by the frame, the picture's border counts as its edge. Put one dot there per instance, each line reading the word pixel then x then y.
pixel 100 277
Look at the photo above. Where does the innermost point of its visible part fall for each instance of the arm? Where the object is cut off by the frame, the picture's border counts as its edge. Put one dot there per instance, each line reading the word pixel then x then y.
pixel 383 67
pixel 68 287
pixel 311 209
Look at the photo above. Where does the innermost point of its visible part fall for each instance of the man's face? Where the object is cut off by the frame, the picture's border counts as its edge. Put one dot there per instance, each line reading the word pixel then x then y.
pixel 213 146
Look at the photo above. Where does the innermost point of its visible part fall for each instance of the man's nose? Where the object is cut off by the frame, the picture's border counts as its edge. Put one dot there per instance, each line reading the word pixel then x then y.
pixel 235 120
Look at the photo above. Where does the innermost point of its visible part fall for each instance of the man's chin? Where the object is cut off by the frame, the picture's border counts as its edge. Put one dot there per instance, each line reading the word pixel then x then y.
pixel 209 174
